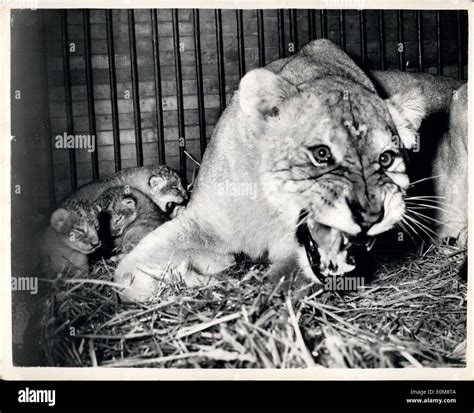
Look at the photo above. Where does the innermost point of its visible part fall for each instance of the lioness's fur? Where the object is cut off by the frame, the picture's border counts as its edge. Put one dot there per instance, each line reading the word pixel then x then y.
pixel 451 166
pixel 270 139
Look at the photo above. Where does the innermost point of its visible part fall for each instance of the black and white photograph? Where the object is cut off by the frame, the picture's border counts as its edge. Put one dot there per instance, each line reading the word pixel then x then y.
pixel 239 188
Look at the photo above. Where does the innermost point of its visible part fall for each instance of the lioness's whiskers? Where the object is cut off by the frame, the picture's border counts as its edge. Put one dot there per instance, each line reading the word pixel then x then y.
pixel 431 201
pixel 415 220
pixel 422 227
pixel 424 220
pixel 402 224
pixel 412 228
pixel 426 196
pixel 438 204
pixel 426 199
pixel 426 179
pixel 427 206
pixel 425 217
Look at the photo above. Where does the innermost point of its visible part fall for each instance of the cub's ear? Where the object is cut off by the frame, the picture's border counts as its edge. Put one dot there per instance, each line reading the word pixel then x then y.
pixel 262 91
pixel 60 220
pixel 156 182
pixel 407 111
pixel 129 203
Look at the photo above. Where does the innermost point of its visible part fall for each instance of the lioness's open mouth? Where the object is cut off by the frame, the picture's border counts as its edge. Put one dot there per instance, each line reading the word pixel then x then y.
pixel 330 251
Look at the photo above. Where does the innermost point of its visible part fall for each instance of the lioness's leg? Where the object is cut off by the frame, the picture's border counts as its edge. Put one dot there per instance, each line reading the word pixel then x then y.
pixel 176 250
pixel 451 165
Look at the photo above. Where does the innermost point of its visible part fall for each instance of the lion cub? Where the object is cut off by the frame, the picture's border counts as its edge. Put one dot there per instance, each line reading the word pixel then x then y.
pixel 70 236
pixel 131 215
pixel 159 182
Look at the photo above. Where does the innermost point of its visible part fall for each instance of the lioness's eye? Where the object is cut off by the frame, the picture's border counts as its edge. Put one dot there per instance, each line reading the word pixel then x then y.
pixel 322 154
pixel 386 159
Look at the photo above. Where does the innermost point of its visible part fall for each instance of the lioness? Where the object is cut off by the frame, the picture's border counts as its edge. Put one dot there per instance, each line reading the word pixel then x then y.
pixel 321 157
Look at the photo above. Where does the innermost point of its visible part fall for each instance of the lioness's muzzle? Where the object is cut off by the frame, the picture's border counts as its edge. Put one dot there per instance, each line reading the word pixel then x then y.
pixel 330 251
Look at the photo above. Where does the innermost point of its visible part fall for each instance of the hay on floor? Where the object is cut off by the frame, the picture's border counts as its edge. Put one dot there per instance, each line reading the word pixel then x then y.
pixel 412 314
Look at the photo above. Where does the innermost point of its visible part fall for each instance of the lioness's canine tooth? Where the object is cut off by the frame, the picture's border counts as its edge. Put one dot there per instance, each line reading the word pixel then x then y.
pixel 369 245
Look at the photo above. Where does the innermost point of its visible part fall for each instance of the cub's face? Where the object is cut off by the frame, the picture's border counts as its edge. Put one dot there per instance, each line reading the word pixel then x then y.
pixel 120 206
pixel 167 191
pixel 337 172
pixel 77 223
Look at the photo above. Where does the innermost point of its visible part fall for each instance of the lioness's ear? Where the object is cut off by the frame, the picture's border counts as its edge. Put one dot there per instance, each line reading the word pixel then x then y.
pixel 59 220
pixel 262 91
pixel 407 111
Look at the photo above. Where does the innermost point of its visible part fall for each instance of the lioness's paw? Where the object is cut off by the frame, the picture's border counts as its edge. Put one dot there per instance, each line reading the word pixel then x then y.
pixel 139 282
pixel 454 231
pixel 462 237
pixel 140 285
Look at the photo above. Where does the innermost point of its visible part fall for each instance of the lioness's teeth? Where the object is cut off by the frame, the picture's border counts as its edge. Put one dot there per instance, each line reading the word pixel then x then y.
pixel 370 244
pixel 345 240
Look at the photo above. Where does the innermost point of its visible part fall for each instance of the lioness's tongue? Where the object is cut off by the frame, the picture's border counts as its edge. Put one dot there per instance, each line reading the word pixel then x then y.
pixel 332 248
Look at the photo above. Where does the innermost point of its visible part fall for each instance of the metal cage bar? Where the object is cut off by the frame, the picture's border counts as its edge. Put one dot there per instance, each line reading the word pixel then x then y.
pixel 158 89
pixel 67 88
pixel 240 42
pixel 324 24
pixel 342 29
pixel 135 88
pixel 199 82
pixel 90 90
pixel 401 41
pixel 459 40
pixel 363 38
pixel 47 122
pixel 311 24
pixel 293 20
pixel 419 37
pixel 179 96
pixel 113 89
pixel 439 62
pixel 382 40
pixel 261 38
pixel 220 59
pixel 281 33
pixel 286 35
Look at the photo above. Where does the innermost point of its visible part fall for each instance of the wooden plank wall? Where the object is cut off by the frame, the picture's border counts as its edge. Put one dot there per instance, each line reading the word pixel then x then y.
pixel 143 30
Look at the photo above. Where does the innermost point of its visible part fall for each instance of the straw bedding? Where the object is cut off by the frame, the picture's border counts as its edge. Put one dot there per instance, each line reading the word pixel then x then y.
pixel 411 314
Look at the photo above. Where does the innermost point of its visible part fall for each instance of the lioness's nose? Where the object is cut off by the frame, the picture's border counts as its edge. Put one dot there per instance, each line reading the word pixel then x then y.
pixel 364 217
